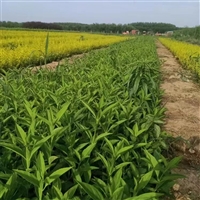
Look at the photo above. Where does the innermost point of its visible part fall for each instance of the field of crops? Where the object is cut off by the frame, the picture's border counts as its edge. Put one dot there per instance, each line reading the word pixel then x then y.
pixel 25 48
pixel 188 54
pixel 88 131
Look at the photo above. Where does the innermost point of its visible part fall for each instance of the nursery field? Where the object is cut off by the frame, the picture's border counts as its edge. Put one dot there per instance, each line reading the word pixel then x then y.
pixel 93 129
pixel 187 54
pixel 90 130
pixel 28 48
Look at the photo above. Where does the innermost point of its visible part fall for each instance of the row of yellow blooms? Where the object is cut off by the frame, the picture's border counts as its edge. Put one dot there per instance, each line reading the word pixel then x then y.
pixel 24 48
pixel 188 54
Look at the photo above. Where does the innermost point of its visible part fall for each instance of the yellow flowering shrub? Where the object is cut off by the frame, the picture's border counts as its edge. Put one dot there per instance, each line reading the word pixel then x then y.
pixel 188 54
pixel 24 48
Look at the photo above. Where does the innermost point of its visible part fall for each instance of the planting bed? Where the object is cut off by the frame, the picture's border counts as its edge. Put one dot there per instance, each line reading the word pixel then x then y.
pixel 90 130
pixel 182 99
pixel 29 48
pixel 187 54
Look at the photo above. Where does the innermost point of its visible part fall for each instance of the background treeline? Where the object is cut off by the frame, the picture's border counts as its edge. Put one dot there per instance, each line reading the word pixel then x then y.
pixel 104 28
pixel 191 35
pixel 31 25
pixel 119 28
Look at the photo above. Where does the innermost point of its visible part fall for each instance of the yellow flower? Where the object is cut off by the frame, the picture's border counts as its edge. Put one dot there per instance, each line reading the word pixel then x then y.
pixel 187 54
pixel 21 48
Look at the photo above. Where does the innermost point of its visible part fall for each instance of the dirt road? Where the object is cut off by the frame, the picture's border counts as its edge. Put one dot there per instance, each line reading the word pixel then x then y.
pixel 182 100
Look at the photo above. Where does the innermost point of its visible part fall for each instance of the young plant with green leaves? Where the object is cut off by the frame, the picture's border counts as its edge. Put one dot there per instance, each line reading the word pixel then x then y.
pixel 88 131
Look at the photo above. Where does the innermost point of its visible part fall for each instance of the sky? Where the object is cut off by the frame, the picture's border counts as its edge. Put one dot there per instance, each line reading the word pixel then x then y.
pixel 180 13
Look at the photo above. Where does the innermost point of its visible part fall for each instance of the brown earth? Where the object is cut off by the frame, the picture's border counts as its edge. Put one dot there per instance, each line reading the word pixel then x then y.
pixel 182 100
pixel 53 65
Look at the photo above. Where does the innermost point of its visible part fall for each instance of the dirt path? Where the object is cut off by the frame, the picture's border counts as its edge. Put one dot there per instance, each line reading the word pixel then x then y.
pixel 53 65
pixel 182 100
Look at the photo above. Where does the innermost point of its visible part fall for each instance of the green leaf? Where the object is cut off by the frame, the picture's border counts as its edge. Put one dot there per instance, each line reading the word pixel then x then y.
pixel 62 111
pixel 101 101
pixel 57 133
pixel 58 193
pixel 77 154
pixel 89 108
pixel 144 180
pixel 137 132
pixel 121 165
pixel 74 198
pixel 124 149
pixel 87 151
pixel 13 148
pixel 153 162
pixel 116 181
pixel 82 145
pixel 28 109
pixel 45 120
pixel 109 108
pixel 172 177
pixel 38 144
pixel 28 177
pixel 172 164
pixel 134 170
pixel 168 181
pixel 11 186
pixel 135 128
pixel 56 175
pixel 158 122
pixel 135 190
pixel 130 130
pixel 117 124
pixel 103 135
pixel 58 183
pixel 138 145
pixel 2 190
pixel 157 130
pixel 100 182
pixel 41 165
pixel 141 131
pixel 70 193
pixel 52 158
pixel 136 85
pixel 93 192
pixel 118 193
pixel 104 161
pixel 146 196
pixel 5 176
pixel 22 134
pixel 77 175
pixel 46 45
pixel 110 146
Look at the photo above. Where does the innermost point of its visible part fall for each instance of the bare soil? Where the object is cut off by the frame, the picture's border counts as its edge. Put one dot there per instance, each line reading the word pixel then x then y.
pixel 182 100
pixel 53 65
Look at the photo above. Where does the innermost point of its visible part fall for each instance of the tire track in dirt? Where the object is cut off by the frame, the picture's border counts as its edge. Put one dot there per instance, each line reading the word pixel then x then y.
pixel 182 100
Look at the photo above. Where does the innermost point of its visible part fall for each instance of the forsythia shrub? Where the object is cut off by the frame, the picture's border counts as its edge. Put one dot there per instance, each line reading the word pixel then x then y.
pixel 24 48
pixel 188 54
